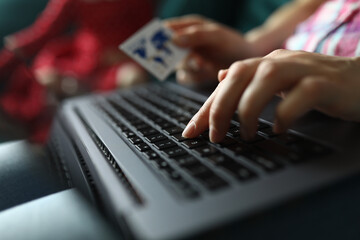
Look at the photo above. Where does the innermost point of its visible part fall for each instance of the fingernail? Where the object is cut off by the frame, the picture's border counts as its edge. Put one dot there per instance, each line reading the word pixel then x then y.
pixel 220 75
pixel 181 75
pixel 184 77
pixel 189 130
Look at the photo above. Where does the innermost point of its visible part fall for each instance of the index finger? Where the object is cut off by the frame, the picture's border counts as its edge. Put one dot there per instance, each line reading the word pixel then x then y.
pixel 200 121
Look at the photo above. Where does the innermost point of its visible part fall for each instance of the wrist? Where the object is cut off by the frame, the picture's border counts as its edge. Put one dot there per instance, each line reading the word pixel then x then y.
pixel 261 43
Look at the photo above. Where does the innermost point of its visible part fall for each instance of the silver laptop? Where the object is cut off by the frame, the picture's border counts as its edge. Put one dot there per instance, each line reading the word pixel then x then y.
pixel 125 151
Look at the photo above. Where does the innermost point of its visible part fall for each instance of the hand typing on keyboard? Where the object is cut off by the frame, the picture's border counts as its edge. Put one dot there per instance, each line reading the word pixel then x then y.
pixel 305 80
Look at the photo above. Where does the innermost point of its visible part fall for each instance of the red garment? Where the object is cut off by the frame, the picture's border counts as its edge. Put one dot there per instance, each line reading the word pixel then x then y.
pixel 97 27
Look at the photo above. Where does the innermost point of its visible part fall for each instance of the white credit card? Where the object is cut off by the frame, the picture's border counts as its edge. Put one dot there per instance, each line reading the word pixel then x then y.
pixel 152 48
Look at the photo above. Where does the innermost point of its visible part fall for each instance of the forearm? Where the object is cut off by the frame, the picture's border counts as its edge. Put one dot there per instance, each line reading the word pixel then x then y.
pixel 281 25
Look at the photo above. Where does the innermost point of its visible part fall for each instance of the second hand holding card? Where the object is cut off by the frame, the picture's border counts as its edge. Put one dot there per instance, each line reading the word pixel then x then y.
pixel 152 48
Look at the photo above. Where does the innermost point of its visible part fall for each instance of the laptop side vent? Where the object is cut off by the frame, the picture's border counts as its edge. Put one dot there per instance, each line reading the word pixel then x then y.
pixel 111 160
pixel 53 150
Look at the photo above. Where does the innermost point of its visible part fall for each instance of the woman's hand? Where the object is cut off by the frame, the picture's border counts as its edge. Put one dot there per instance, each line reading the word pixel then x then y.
pixel 305 81
pixel 213 47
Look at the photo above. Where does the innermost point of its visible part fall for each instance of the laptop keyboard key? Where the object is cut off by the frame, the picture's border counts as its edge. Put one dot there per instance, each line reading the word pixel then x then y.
pixel 173 130
pixel 156 138
pixel 178 137
pixel 150 154
pixel 174 152
pixel 238 170
pixel 206 150
pixel 239 149
pixel 142 147
pixel 268 132
pixel 193 143
pixel 135 140
pixel 164 144
pixel 282 152
pixel 185 160
pixel 265 162
pixel 148 132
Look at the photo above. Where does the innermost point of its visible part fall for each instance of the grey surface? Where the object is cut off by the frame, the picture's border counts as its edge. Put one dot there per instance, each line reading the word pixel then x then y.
pixel 167 216
pixel 64 215
pixel 25 174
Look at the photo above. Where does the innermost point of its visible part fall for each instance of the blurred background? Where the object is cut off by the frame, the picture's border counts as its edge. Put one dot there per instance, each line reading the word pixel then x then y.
pixel 26 92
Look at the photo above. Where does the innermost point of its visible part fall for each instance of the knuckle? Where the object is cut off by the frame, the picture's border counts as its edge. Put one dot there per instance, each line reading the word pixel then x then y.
pixel 277 52
pixel 237 70
pixel 311 87
pixel 238 67
pixel 268 69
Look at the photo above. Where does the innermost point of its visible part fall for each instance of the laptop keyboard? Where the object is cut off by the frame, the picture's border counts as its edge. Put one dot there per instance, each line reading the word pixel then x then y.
pixel 151 119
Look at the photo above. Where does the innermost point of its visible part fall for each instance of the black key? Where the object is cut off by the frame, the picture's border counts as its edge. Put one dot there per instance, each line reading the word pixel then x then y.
pixel 237 170
pixel 166 124
pixel 158 120
pixel 234 132
pixel 173 174
pixel 205 135
pixel 213 182
pixel 198 169
pixel 173 130
pixel 235 117
pixel 239 149
pixel 128 134
pixel 174 152
pixel 178 137
pixel 265 162
pixel 150 154
pixel 185 160
pixel 287 139
pixel 141 126
pixel 142 147
pixel 193 143
pixel 135 140
pixel 309 148
pixel 183 119
pixel 228 141
pixel 188 108
pixel 268 132
pixel 255 139
pixel 175 115
pixel 164 144
pixel 262 126
pixel 148 132
pixel 132 118
pixel 206 150
pixel 161 163
pixel 121 126
pixel 219 159
pixel 278 150
pixel 193 111
pixel 156 138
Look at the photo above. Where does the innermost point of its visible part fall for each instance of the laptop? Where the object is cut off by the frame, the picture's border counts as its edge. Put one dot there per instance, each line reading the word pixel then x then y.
pixel 125 152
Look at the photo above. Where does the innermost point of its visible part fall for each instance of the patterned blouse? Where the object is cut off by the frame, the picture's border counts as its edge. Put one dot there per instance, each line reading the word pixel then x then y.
pixel 334 29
